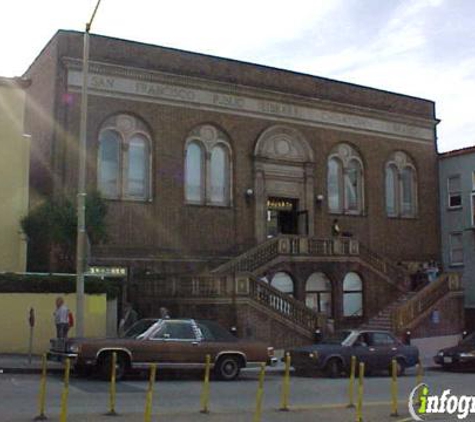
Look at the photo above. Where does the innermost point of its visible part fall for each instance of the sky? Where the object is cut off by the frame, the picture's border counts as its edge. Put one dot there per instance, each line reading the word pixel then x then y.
pixel 422 48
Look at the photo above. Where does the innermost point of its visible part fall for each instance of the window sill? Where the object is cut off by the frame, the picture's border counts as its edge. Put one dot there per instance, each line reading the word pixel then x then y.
pixel 457 265
pixel 457 208
pixel 202 205
pixel 347 214
pixel 142 201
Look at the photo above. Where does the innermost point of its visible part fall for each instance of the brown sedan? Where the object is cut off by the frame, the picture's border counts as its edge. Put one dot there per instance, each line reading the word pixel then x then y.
pixel 170 343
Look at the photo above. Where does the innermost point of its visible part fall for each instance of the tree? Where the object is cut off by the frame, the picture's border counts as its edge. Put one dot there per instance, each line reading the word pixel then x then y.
pixel 51 229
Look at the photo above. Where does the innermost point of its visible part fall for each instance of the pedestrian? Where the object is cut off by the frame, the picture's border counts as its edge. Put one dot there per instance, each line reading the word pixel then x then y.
pixel 432 271
pixel 61 318
pixel 335 228
pixel 129 318
pixel 164 314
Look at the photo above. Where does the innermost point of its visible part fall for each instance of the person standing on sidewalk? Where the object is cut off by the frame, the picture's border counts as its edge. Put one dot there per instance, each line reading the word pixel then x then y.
pixel 61 318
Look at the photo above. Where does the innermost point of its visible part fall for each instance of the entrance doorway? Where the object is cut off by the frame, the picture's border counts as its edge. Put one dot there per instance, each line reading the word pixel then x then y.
pixel 282 216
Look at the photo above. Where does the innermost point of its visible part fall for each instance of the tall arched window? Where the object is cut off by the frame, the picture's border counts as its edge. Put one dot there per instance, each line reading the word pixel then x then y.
pixel 109 163
pixel 391 191
pixel 219 175
pixel 124 158
pixel 208 167
pixel 345 187
pixel 194 186
pixel 318 293
pixel 401 186
pixel 335 175
pixel 352 295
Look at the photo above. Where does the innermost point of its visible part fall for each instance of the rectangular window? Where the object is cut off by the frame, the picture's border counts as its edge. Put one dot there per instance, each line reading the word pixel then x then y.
pixel 473 209
pixel 456 249
pixel 455 192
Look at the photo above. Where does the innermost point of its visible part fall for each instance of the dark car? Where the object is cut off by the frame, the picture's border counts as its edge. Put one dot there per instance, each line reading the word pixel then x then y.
pixel 458 357
pixel 333 355
pixel 170 343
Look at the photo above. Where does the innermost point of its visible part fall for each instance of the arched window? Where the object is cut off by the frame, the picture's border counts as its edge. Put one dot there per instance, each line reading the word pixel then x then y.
pixel 283 282
pixel 194 186
pixel 352 295
pixel 391 190
pixel 318 293
pixel 401 186
pixel 208 167
pixel 124 159
pixel 137 171
pixel 109 163
pixel 219 174
pixel 335 175
pixel 345 184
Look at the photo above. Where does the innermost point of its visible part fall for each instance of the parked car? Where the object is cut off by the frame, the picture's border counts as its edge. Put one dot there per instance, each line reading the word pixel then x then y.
pixel 170 343
pixel 333 355
pixel 459 357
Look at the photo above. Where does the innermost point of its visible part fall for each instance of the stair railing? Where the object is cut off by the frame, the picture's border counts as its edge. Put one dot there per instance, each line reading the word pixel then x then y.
pixel 408 312
pixel 260 255
pixel 238 286
pixel 285 305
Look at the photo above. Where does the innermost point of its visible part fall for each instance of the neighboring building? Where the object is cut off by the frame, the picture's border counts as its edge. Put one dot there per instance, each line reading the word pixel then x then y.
pixel 202 159
pixel 14 167
pixel 457 213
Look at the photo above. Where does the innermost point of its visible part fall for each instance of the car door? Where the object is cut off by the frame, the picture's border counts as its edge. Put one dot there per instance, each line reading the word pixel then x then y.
pixel 182 343
pixel 383 348
pixel 361 349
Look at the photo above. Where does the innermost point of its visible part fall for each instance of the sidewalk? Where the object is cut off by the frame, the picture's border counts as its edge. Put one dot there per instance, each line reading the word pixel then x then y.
pixel 20 364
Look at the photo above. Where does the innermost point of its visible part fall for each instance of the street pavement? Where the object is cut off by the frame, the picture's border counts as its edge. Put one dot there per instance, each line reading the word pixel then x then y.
pixel 177 396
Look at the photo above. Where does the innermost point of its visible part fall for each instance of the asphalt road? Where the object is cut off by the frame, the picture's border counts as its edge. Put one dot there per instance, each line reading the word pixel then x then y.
pixel 180 395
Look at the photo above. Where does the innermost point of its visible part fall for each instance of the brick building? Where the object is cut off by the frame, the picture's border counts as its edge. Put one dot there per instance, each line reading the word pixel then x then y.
pixel 224 179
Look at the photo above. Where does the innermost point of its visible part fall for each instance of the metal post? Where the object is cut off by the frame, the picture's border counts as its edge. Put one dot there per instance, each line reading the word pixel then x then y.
pixel 284 403
pixel 206 387
pixel 81 195
pixel 42 396
pixel 394 392
pixel 351 387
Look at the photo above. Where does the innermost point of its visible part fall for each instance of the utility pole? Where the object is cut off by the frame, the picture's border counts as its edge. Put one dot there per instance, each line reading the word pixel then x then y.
pixel 81 196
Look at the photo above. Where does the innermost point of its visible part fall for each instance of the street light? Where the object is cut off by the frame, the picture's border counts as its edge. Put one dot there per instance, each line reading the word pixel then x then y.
pixel 81 196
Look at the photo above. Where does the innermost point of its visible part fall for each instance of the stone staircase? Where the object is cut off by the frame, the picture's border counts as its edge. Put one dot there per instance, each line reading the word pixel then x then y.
pixel 285 247
pixel 384 319
pixel 409 309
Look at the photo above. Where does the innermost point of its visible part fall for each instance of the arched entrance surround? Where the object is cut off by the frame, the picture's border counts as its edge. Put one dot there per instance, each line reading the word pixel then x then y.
pixel 284 174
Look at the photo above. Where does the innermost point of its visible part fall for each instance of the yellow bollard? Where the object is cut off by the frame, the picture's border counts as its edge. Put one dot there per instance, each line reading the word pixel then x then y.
pixel 112 394
pixel 419 376
pixel 64 397
pixel 359 405
pixel 42 396
pixel 394 392
pixel 284 403
pixel 148 402
pixel 205 391
pixel 259 394
pixel 351 388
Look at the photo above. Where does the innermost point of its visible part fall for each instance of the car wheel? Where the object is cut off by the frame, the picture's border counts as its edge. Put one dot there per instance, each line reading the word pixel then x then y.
pixel 227 368
pixel 333 368
pixel 106 367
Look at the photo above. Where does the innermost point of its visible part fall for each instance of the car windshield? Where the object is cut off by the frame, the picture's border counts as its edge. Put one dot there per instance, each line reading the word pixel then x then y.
pixel 337 338
pixel 212 331
pixel 469 340
pixel 139 327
